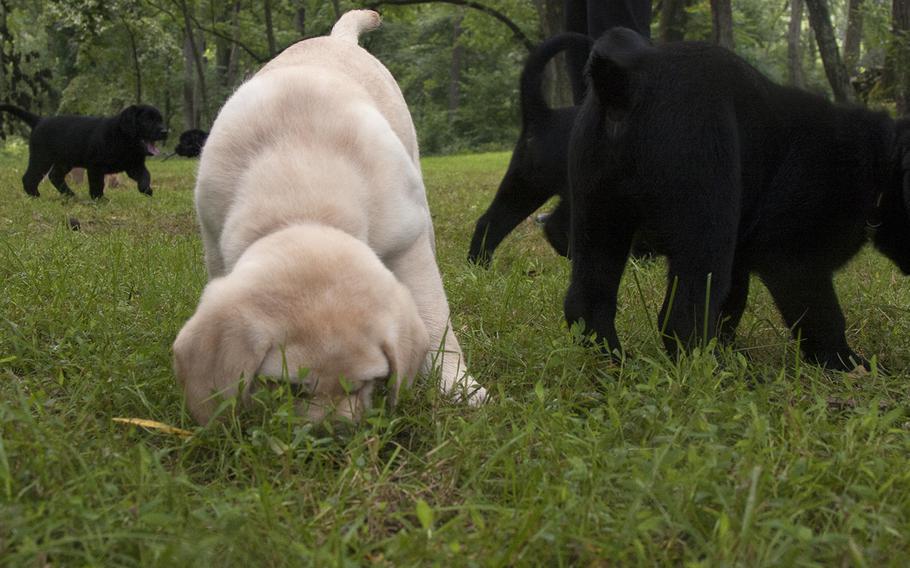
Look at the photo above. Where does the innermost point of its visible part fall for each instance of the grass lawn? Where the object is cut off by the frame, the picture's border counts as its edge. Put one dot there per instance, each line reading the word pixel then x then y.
pixel 742 456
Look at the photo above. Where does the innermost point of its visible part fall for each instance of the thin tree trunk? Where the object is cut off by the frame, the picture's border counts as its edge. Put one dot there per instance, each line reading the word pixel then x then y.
pixel 4 88
pixel 556 76
pixel 233 60
pixel 900 26
pixel 269 29
pixel 722 23
pixel 134 52
pixel 673 20
pixel 300 18
pixel 189 85
pixel 794 45
pixel 456 65
pixel 195 55
pixel 854 36
pixel 820 20
pixel 336 5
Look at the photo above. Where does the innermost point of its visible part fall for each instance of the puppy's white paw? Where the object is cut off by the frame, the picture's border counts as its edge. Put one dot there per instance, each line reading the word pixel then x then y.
pixel 468 390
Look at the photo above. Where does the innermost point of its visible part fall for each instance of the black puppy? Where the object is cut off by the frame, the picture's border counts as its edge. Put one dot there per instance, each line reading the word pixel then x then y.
pixel 537 170
pixel 191 143
pixel 727 174
pixel 100 145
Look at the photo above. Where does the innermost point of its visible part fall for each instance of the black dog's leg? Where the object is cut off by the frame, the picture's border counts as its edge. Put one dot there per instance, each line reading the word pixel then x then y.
pixel 698 283
pixel 514 201
pixel 143 179
pixel 96 183
pixel 35 172
pixel 57 176
pixel 600 248
pixel 557 228
pixel 732 310
pixel 808 302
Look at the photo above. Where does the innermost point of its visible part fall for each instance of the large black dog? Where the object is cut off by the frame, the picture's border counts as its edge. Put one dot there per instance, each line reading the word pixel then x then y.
pixel 727 174
pixel 100 145
pixel 537 170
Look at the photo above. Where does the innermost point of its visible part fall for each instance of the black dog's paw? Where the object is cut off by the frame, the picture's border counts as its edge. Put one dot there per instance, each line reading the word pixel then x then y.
pixel 147 191
pixel 848 362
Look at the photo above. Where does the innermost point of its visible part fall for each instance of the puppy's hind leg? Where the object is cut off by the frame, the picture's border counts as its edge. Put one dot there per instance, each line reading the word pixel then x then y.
pixel 57 176
pixel 96 183
pixel 556 228
pixel 600 242
pixel 515 200
pixel 37 168
pixel 698 282
pixel 806 298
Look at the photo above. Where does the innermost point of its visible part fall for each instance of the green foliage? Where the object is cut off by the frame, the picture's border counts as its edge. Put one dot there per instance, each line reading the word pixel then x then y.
pixel 727 457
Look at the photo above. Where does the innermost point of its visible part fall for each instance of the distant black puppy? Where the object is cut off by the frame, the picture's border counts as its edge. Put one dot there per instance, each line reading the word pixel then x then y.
pixel 537 170
pixel 191 143
pixel 100 145
pixel 727 174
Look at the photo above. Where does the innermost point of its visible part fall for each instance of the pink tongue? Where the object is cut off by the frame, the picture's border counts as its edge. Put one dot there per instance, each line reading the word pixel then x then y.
pixel 153 150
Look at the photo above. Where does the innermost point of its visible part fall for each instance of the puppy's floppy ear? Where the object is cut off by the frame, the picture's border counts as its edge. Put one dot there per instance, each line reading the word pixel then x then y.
pixel 128 121
pixel 219 349
pixel 610 66
pixel 407 348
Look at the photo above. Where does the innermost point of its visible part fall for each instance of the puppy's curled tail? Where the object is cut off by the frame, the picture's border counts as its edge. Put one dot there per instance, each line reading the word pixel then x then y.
pixel 610 66
pixel 22 114
pixel 352 24
pixel 533 103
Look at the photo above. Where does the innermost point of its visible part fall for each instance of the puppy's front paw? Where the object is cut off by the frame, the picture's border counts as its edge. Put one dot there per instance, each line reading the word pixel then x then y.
pixel 468 390
pixel 147 191
pixel 478 396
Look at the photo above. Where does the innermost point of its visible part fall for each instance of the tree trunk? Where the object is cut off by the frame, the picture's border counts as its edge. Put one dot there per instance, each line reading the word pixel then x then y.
pixel 900 25
pixel 4 88
pixel 189 85
pixel 673 20
pixel 820 20
pixel 557 88
pixel 854 36
pixel 269 28
pixel 233 59
pixel 137 68
pixel 794 45
pixel 456 66
pixel 192 51
pixel 722 23
pixel 300 18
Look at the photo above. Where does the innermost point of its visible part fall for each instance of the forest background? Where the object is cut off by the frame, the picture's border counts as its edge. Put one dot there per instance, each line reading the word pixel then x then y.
pixel 457 61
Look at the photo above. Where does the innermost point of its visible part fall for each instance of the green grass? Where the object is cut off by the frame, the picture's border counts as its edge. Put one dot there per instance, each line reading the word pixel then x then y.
pixel 727 457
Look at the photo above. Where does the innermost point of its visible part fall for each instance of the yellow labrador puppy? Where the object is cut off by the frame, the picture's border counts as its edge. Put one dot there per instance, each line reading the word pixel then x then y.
pixel 318 240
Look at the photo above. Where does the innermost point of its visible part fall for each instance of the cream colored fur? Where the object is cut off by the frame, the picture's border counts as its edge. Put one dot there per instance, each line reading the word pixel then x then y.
pixel 318 239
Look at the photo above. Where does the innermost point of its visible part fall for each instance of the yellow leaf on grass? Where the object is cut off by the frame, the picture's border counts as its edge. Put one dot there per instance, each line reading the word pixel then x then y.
pixel 154 425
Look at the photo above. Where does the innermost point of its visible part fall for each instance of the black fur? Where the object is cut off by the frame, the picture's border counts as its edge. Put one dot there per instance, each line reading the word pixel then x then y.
pixel 191 143
pixel 537 170
pixel 100 145
pixel 727 174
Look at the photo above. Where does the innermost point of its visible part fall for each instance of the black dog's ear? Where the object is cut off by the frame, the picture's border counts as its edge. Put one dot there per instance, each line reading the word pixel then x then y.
pixel 610 65
pixel 128 121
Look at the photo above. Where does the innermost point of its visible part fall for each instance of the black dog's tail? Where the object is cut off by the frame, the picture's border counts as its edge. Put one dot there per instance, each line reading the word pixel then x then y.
pixel 533 103
pixel 610 66
pixel 24 115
